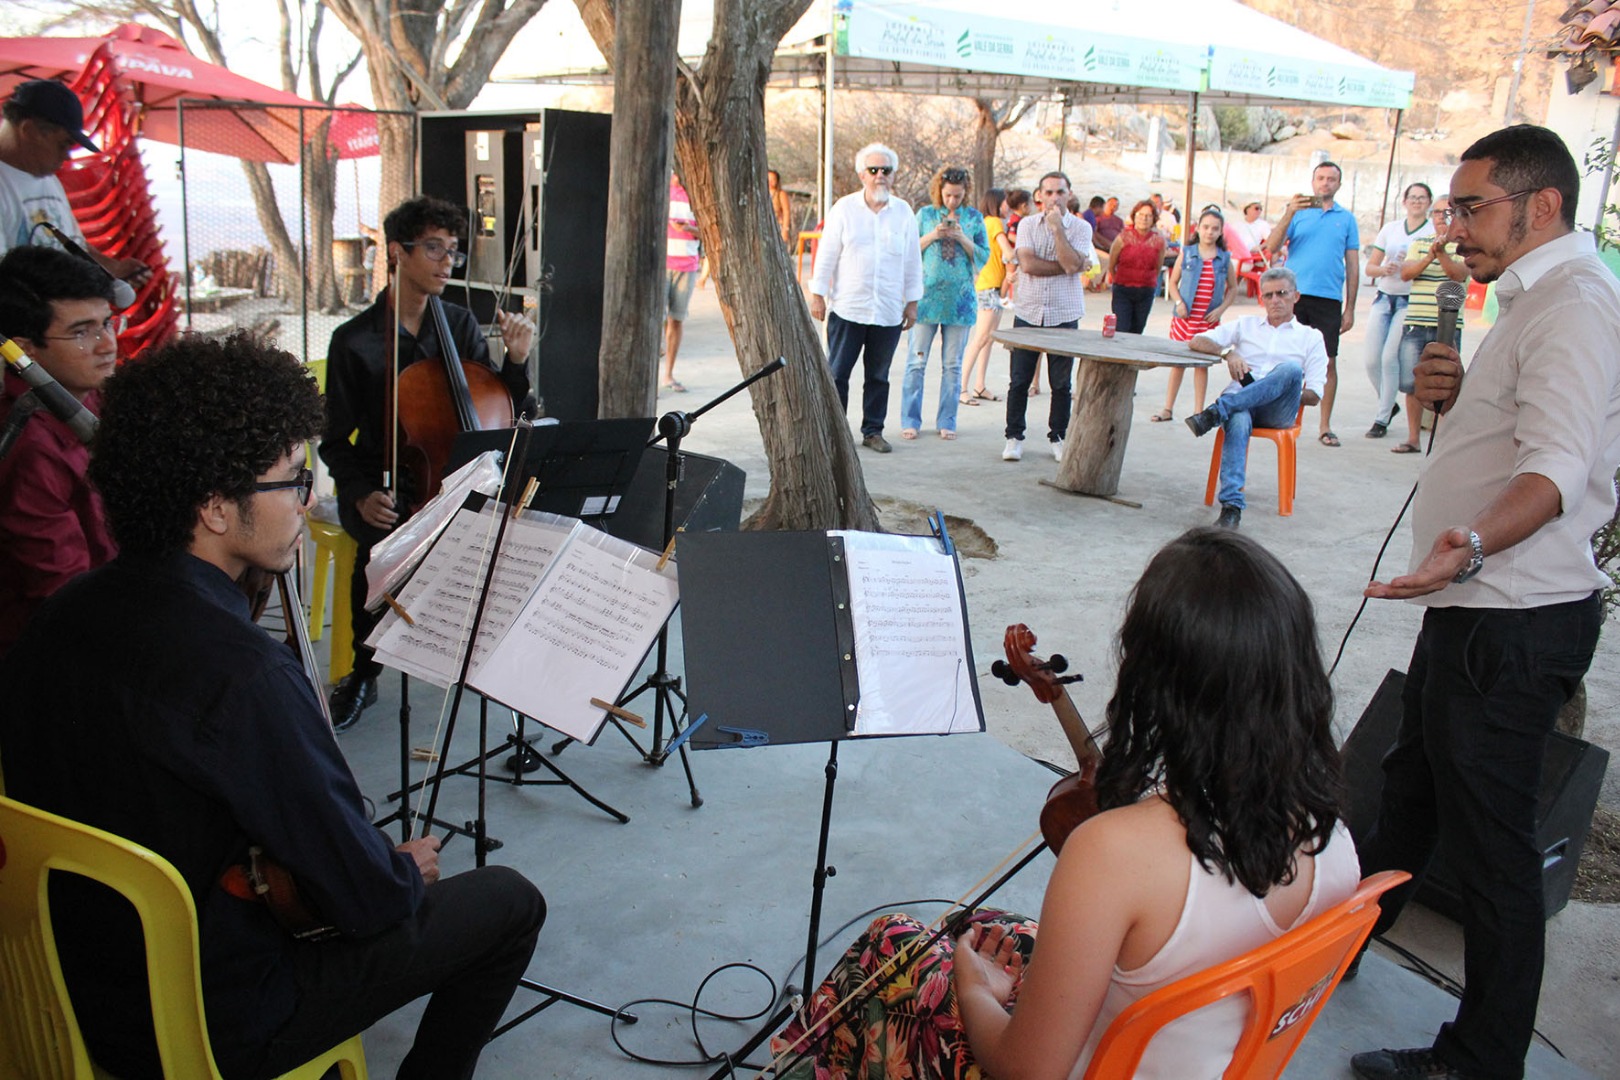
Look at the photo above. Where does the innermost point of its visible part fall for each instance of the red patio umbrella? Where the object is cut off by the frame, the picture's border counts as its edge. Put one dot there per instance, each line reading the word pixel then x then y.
pixel 156 73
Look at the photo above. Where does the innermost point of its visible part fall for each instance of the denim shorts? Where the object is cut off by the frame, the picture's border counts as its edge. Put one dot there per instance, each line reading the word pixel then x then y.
pixel 989 299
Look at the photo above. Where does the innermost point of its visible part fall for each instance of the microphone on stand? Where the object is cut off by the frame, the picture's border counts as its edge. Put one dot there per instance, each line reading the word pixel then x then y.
pixel 63 405
pixel 123 292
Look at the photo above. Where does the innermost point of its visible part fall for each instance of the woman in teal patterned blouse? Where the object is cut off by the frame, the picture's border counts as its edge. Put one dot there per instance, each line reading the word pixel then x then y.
pixel 954 249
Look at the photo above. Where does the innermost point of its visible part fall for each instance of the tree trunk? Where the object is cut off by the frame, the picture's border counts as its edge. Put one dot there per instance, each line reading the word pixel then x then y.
pixel 288 274
pixel 816 480
pixel 633 293
pixel 985 134
pixel 320 201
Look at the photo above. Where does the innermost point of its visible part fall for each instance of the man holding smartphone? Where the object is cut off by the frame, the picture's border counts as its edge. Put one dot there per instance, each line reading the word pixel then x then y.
pixel 1324 251
pixel 1276 363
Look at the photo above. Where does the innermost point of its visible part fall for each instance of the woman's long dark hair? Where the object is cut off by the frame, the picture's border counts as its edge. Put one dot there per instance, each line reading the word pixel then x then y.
pixel 1222 699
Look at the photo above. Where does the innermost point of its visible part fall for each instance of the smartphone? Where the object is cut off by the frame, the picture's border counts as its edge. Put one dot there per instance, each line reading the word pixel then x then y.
pixel 1248 378
pixel 1316 202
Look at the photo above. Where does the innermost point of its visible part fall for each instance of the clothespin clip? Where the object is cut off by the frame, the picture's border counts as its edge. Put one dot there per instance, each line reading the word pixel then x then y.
pixel 669 551
pixel 399 609
pixel 528 497
pixel 745 737
pixel 623 714
pixel 936 522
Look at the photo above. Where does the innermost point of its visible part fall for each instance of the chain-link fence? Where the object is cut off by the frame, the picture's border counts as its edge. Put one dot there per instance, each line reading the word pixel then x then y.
pixel 280 223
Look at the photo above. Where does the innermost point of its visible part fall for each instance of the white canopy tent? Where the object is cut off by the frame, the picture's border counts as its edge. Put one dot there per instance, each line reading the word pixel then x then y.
pixel 1211 50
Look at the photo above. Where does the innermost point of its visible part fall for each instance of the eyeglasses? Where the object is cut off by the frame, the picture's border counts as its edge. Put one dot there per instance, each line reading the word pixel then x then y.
pixel 873 170
pixel 438 251
pixel 303 483
pixel 954 176
pixel 86 337
pixel 1465 211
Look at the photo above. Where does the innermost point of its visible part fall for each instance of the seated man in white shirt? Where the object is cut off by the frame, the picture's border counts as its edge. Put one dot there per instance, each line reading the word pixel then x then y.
pixel 1277 364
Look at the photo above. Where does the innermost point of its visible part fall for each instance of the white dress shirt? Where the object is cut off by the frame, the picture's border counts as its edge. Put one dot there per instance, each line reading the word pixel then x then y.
pixel 868 263
pixel 1542 395
pixel 1263 346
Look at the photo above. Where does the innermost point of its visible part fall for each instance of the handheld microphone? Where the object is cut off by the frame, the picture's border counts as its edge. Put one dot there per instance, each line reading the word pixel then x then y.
pixel 63 405
pixel 1449 296
pixel 123 292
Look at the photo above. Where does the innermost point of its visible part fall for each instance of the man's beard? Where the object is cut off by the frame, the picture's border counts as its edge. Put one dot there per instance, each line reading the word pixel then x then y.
pixel 878 195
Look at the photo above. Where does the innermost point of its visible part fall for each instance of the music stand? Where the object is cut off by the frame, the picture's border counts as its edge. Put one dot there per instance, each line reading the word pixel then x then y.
pixel 782 661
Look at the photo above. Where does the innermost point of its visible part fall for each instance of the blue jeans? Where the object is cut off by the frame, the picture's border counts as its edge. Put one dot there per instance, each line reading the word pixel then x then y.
pixel 1383 351
pixel 1482 692
pixel 952 343
pixel 1271 402
pixel 846 342
pixel 1059 376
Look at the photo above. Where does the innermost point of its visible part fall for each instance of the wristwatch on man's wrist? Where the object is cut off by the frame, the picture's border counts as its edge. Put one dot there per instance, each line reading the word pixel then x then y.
pixel 1228 351
pixel 1475 562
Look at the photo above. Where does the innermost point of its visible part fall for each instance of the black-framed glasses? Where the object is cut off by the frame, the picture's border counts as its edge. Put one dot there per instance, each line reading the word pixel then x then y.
pixel 303 483
pixel 954 176
pixel 86 337
pixel 1465 211
pixel 874 170
pixel 438 251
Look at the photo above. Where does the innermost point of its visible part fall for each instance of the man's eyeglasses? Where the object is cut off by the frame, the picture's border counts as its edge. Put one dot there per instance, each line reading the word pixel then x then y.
pixel 438 251
pixel 954 176
pixel 1465 211
pixel 874 170
pixel 303 483
pixel 86 337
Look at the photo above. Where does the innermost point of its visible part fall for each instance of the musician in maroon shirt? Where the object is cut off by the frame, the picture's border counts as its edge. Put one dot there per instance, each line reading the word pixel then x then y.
pixel 58 309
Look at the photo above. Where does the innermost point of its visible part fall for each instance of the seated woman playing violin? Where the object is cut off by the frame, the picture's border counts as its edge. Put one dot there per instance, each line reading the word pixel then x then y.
pixel 1218 831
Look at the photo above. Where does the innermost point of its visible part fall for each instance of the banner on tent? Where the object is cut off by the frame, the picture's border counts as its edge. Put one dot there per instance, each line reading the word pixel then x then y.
pixel 1242 71
pixel 920 35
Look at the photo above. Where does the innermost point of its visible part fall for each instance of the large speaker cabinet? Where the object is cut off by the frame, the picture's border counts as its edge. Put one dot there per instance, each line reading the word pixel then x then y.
pixel 535 188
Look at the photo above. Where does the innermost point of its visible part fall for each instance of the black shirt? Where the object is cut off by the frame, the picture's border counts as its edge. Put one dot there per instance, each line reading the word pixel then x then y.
pixel 355 363
pixel 143 701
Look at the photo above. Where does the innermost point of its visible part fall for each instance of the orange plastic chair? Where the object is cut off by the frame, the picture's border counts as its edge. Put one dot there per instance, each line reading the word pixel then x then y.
pixel 1287 981
pixel 1287 440
pixel 39 1034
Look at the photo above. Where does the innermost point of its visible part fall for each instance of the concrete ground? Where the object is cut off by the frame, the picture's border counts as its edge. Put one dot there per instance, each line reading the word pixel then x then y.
pixel 648 908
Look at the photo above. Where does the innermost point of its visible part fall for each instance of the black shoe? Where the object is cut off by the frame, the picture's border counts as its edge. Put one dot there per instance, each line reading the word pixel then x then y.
pixel 350 697
pixel 1202 423
pixel 1378 431
pixel 1420 1064
pixel 1230 516
pixel 877 443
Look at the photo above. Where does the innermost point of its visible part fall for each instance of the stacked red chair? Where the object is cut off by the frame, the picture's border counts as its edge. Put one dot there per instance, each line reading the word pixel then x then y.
pixel 112 202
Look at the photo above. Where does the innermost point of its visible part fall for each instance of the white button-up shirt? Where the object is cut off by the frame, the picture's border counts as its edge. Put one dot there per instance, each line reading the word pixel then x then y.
pixel 1263 346
pixel 869 263
pixel 1542 395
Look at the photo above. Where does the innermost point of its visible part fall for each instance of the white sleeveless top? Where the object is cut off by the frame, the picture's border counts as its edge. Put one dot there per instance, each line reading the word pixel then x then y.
pixel 1220 920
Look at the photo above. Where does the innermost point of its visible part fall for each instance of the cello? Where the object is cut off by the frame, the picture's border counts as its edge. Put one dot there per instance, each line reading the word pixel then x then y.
pixel 432 401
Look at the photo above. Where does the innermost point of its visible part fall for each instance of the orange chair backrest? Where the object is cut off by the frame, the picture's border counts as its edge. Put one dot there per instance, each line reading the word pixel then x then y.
pixel 1287 981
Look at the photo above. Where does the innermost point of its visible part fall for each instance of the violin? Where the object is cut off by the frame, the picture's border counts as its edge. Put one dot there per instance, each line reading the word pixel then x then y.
pixel 433 401
pixel 1072 799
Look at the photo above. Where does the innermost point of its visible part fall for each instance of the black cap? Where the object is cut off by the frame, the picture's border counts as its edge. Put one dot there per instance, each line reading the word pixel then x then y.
pixel 54 103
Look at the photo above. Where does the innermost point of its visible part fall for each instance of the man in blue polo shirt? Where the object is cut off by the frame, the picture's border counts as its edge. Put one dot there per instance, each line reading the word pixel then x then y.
pixel 1324 252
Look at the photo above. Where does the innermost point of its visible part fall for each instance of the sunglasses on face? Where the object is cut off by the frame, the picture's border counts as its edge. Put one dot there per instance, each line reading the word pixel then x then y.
pixel 874 170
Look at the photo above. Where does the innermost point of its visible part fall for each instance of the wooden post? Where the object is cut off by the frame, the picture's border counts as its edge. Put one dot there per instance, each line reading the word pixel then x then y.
pixel 1098 428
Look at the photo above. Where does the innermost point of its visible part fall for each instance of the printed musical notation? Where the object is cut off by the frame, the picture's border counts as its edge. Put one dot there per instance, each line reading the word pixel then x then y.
pixel 570 613
pixel 910 641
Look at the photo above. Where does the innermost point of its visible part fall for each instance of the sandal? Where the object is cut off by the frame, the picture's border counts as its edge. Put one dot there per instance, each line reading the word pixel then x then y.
pixel 675 387
pixel 1161 416
pixel 946 435
pixel 908 433
pixel 1405 448
pixel 968 399
pixel 1327 438
pixel 985 395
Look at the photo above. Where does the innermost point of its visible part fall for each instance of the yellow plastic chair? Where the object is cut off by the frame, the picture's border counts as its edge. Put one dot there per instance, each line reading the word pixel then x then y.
pixel 39 1035
pixel 335 553
pixel 1287 981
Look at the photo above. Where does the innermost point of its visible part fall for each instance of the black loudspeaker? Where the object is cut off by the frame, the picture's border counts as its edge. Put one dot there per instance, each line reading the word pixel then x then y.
pixel 535 183
pixel 1571 776
pixel 708 498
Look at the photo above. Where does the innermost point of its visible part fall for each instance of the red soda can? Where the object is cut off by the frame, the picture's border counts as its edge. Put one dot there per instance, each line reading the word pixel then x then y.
pixel 1109 322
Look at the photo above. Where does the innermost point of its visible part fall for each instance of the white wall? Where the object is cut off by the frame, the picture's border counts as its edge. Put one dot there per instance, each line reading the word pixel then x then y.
pixel 1582 119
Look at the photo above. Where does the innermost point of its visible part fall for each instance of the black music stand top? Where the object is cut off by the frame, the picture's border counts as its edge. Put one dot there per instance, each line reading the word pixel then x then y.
pixel 583 466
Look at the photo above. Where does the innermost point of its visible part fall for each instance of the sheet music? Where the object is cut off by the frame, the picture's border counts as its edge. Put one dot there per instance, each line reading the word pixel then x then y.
pixel 910 637
pixel 442 597
pixel 582 634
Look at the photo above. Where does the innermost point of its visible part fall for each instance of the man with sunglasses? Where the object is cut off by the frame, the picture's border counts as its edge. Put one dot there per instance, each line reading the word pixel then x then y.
pixel 40 126
pixel 142 699
pixel 422 237
pixel 867 283
pixel 1521 474
pixel 58 310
